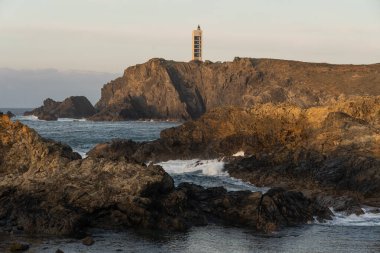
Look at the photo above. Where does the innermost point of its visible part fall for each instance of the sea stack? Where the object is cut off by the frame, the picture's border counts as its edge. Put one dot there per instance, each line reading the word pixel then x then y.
pixel 76 107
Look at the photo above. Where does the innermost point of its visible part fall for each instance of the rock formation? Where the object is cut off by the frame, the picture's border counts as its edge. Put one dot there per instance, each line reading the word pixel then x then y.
pixel 73 107
pixel 161 89
pixel 47 188
pixel 9 114
pixel 333 148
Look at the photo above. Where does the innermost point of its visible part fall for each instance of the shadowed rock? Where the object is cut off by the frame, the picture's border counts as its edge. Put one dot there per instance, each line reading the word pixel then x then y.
pixel 325 151
pixel 73 107
pixel 46 188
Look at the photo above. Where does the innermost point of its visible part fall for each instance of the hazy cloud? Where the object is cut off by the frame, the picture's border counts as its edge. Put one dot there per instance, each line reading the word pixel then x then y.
pixel 108 36
pixel 28 88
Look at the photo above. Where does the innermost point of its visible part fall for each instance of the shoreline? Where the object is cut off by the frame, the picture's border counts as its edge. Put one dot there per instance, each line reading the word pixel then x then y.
pixel 230 160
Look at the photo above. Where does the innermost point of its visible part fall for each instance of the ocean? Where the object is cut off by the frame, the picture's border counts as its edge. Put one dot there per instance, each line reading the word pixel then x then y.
pixel 342 234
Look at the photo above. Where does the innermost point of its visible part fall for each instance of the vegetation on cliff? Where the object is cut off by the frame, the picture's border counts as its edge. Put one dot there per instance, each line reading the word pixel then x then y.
pixel 76 107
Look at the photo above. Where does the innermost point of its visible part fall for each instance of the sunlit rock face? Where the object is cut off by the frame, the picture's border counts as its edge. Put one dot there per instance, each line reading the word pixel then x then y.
pixel 161 89
pixel 325 151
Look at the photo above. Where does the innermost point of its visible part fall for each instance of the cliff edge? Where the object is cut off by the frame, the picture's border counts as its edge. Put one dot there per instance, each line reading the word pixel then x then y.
pixel 161 89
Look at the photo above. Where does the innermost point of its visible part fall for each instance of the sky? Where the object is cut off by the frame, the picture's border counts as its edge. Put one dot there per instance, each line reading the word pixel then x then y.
pixel 107 36
pixel 28 88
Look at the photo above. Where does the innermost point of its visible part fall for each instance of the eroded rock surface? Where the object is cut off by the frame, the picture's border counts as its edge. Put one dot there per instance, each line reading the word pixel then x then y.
pixel 161 89
pixel 46 188
pixel 325 151
pixel 76 107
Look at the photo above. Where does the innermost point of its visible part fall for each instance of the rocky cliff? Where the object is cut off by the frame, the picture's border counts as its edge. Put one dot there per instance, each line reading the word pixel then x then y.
pixel 163 89
pixel 76 107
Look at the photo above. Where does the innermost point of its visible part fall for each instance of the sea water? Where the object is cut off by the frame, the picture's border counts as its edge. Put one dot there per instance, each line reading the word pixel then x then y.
pixel 342 234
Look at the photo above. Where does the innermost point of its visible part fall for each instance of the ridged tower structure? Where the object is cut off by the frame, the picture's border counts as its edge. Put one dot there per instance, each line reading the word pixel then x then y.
pixel 197 44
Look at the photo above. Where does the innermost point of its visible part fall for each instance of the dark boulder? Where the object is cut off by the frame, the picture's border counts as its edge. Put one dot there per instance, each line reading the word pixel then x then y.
pixel 115 149
pixel 76 107
pixel 266 212
pixel 10 114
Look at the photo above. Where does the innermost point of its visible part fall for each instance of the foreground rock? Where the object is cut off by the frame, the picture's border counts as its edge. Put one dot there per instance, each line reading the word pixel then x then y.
pixel 161 89
pixel 327 152
pixel 46 188
pixel 73 107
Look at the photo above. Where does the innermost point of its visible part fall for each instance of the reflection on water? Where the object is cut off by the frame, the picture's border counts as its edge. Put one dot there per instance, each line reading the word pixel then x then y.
pixel 308 238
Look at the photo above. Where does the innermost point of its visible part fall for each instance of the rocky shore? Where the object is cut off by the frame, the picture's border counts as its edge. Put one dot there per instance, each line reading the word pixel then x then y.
pixel 47 188
pixel 76 107
pixel 330 153
pixel 308 131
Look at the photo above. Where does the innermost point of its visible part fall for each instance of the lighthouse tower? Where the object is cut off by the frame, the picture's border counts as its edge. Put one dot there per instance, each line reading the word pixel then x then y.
pixel 197 44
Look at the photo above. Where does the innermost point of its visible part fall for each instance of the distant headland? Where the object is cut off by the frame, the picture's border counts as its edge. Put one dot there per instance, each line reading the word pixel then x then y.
pixel 168 90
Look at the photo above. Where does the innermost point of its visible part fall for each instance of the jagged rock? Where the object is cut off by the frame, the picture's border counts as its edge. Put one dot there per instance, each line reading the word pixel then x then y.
pixel 115 149
pixel 261 130
pixel 72 107
pixel 162 89
pixel 46 188
pixel 10 114
pixel 324 151
pixel 277 207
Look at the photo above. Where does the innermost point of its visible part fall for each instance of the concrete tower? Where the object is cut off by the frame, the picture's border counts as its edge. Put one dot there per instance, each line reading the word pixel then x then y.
pixel 197 44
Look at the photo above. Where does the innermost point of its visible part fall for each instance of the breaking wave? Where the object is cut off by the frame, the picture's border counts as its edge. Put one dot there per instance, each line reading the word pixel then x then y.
pixel 371 217
pixel 35 118
pixel 207 173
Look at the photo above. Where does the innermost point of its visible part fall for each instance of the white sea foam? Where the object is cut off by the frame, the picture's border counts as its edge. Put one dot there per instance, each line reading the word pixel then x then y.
pixel 70 120
pixel 35 118
pixel 207 167
pixel 82 154
pixel 30 118
pixel 208 173
pixel 367 219
pixel 240 153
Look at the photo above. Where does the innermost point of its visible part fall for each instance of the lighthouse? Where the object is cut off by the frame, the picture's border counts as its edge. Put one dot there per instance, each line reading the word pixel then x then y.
pixel 197 44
